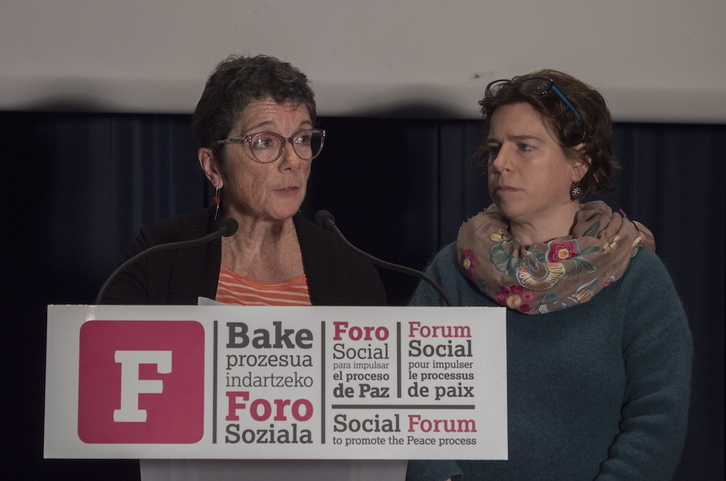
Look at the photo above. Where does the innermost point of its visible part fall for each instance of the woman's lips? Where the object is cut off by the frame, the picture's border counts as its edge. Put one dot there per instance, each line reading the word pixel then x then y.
pixel 291 190
pixel 505 189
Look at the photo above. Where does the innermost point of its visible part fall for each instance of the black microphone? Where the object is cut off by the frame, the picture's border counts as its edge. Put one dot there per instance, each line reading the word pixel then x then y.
pixel 227 227
pixel 325 219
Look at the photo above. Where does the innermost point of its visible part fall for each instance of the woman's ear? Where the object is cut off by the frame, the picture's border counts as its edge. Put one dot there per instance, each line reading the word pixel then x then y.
pixel 210 167
pixel 581 164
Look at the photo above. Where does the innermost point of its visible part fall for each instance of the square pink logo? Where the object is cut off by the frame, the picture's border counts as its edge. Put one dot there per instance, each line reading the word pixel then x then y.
pixel 141 382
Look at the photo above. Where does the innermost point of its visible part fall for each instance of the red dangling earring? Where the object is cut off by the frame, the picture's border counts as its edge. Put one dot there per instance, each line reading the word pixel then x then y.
pixel 217 201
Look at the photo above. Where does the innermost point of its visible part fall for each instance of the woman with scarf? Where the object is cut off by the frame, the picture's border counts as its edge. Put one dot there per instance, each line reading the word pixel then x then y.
pixel 598 345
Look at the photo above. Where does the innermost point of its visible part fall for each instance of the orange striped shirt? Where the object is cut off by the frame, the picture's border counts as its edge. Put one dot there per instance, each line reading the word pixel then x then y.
pixel 235 289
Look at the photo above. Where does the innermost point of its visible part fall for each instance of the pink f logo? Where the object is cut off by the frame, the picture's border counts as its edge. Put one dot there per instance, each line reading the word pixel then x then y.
pixel 141 382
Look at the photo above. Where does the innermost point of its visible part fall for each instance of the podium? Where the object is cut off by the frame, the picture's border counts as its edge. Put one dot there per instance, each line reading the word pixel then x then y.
pixel 274 383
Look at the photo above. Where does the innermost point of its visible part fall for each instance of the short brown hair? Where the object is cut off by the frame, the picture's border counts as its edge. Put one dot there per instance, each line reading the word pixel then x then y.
pixel 595 130
pixel 235 83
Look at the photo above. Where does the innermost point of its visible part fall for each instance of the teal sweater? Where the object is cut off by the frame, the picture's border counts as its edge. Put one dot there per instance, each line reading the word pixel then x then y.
pixel 595 392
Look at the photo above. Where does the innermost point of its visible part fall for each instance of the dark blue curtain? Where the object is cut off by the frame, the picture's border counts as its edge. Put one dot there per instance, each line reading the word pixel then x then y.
pixel 78 187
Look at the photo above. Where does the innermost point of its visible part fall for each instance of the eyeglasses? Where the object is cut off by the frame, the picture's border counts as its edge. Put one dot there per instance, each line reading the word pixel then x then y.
pixel 267 147
pixel 534 86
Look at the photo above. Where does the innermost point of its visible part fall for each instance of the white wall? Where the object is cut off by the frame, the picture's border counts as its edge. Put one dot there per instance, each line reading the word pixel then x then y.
pixel 654 60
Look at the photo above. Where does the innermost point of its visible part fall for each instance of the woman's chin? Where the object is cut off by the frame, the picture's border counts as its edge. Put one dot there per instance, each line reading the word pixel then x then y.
pixel 284 212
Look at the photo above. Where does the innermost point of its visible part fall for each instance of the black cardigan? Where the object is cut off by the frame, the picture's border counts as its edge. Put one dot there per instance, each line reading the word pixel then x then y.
pixel 335 275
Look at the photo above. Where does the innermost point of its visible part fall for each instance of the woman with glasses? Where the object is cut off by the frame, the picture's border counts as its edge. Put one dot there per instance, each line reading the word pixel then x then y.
pixel 598 346
pixel 256 125
pixel 255 122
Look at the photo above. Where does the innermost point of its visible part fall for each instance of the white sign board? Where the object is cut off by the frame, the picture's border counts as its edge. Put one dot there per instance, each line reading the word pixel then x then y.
pixel 238 382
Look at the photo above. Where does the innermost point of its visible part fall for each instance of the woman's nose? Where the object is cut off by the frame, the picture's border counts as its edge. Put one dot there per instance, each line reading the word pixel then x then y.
pixel 501 161
pixel 289 158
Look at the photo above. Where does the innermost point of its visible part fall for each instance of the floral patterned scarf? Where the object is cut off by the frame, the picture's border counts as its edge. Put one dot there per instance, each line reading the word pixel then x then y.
pixel 561 273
